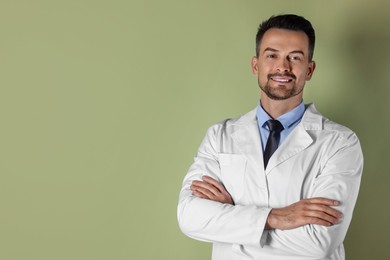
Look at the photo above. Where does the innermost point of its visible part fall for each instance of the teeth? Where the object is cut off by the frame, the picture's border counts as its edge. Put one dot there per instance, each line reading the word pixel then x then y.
pixel 282 80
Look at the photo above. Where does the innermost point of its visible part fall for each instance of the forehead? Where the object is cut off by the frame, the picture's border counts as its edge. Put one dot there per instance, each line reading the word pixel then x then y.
pixel 284 40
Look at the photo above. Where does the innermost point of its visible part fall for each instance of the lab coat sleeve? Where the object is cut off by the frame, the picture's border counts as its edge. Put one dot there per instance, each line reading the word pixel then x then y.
pixel 339 179
pixel 212 221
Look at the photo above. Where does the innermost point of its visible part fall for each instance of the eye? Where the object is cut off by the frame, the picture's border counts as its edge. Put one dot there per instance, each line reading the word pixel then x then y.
pixel 294 58
pixel 271 56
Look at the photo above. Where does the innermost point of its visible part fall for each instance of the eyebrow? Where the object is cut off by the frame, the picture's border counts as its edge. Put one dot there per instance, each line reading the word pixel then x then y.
pixel 300 52
pixel 274 50
pixel 270 49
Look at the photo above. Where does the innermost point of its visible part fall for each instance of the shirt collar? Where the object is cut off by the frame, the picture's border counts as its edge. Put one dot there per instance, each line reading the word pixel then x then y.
pixel 287 120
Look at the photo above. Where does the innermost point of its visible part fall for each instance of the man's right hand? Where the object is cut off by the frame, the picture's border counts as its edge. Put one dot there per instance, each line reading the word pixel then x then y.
pixel 307 211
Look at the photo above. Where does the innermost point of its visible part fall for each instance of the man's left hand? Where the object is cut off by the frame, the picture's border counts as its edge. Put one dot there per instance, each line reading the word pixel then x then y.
pixel 211 189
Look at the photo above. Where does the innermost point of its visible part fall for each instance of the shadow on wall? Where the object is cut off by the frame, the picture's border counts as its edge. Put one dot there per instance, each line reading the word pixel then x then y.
pixel 366 44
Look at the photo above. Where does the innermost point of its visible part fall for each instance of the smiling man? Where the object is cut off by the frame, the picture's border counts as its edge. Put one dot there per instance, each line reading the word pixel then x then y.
pixel 281 181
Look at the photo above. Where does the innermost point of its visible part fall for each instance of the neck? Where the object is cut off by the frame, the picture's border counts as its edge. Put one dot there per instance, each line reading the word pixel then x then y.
pixel 276 108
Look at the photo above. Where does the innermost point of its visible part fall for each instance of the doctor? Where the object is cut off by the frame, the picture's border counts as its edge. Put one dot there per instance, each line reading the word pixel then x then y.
pixel 281 181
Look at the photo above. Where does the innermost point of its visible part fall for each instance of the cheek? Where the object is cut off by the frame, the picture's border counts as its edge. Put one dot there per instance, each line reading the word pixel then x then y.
pixel 303 71
pixel 264 71
pixel 263 80
pixel 262 75
pixel 301 74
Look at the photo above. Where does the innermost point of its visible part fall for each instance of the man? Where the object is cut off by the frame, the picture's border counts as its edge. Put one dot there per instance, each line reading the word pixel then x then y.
pixel 254 202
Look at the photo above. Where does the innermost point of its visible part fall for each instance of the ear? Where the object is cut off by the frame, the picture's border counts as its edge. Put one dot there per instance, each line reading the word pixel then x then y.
pixel 254 65
pixel 311 68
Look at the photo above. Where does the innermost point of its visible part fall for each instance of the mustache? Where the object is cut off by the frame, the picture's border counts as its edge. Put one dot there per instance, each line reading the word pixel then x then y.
pixel 287 74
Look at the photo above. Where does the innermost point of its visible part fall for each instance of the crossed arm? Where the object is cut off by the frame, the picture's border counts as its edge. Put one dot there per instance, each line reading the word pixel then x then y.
pixel 310 227
pixel 307 211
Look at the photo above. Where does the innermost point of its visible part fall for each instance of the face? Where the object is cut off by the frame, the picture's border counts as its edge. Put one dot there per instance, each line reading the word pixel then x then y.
pixel 283 64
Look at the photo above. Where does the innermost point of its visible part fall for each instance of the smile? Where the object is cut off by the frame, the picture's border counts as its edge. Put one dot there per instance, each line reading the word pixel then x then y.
pixel 282 79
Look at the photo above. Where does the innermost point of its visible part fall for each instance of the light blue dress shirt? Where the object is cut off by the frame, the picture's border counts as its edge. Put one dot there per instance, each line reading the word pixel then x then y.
pixel 289 121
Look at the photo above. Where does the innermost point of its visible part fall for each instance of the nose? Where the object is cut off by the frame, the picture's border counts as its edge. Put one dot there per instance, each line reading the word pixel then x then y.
pixel 283 65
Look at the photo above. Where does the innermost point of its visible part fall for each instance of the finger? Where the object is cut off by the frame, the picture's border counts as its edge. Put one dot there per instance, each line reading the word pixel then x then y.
pixel 199 194
pixel 205 191
pixel 214 182
pixel 325 209
pixel 317 221
pixel 323 201
pixel 207 186
pixel 331 211
pixel 224 195
pixel 322 216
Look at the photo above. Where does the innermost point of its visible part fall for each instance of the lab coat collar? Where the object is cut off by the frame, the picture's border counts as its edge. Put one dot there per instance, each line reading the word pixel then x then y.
pixel 247 139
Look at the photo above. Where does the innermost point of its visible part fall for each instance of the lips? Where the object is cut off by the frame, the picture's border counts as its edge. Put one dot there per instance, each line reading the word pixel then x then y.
pixel 282 79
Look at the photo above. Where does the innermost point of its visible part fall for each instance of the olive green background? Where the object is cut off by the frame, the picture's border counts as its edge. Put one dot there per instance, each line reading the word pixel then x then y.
pixel 104 103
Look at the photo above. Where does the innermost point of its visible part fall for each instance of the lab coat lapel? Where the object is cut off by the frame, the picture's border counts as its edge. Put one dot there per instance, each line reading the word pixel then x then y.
pixel 298 140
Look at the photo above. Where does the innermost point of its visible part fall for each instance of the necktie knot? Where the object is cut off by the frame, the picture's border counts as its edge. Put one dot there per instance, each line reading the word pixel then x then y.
pixel 274 125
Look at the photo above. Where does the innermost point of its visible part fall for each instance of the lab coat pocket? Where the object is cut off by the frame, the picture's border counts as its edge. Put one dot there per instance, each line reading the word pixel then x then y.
pixel 233 167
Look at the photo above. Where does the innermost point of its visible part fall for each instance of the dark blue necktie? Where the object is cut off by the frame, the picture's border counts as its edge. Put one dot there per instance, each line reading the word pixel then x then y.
pixel 275 127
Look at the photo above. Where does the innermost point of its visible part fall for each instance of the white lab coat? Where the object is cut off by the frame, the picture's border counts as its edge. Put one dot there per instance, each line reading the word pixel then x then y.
pixel 318 159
